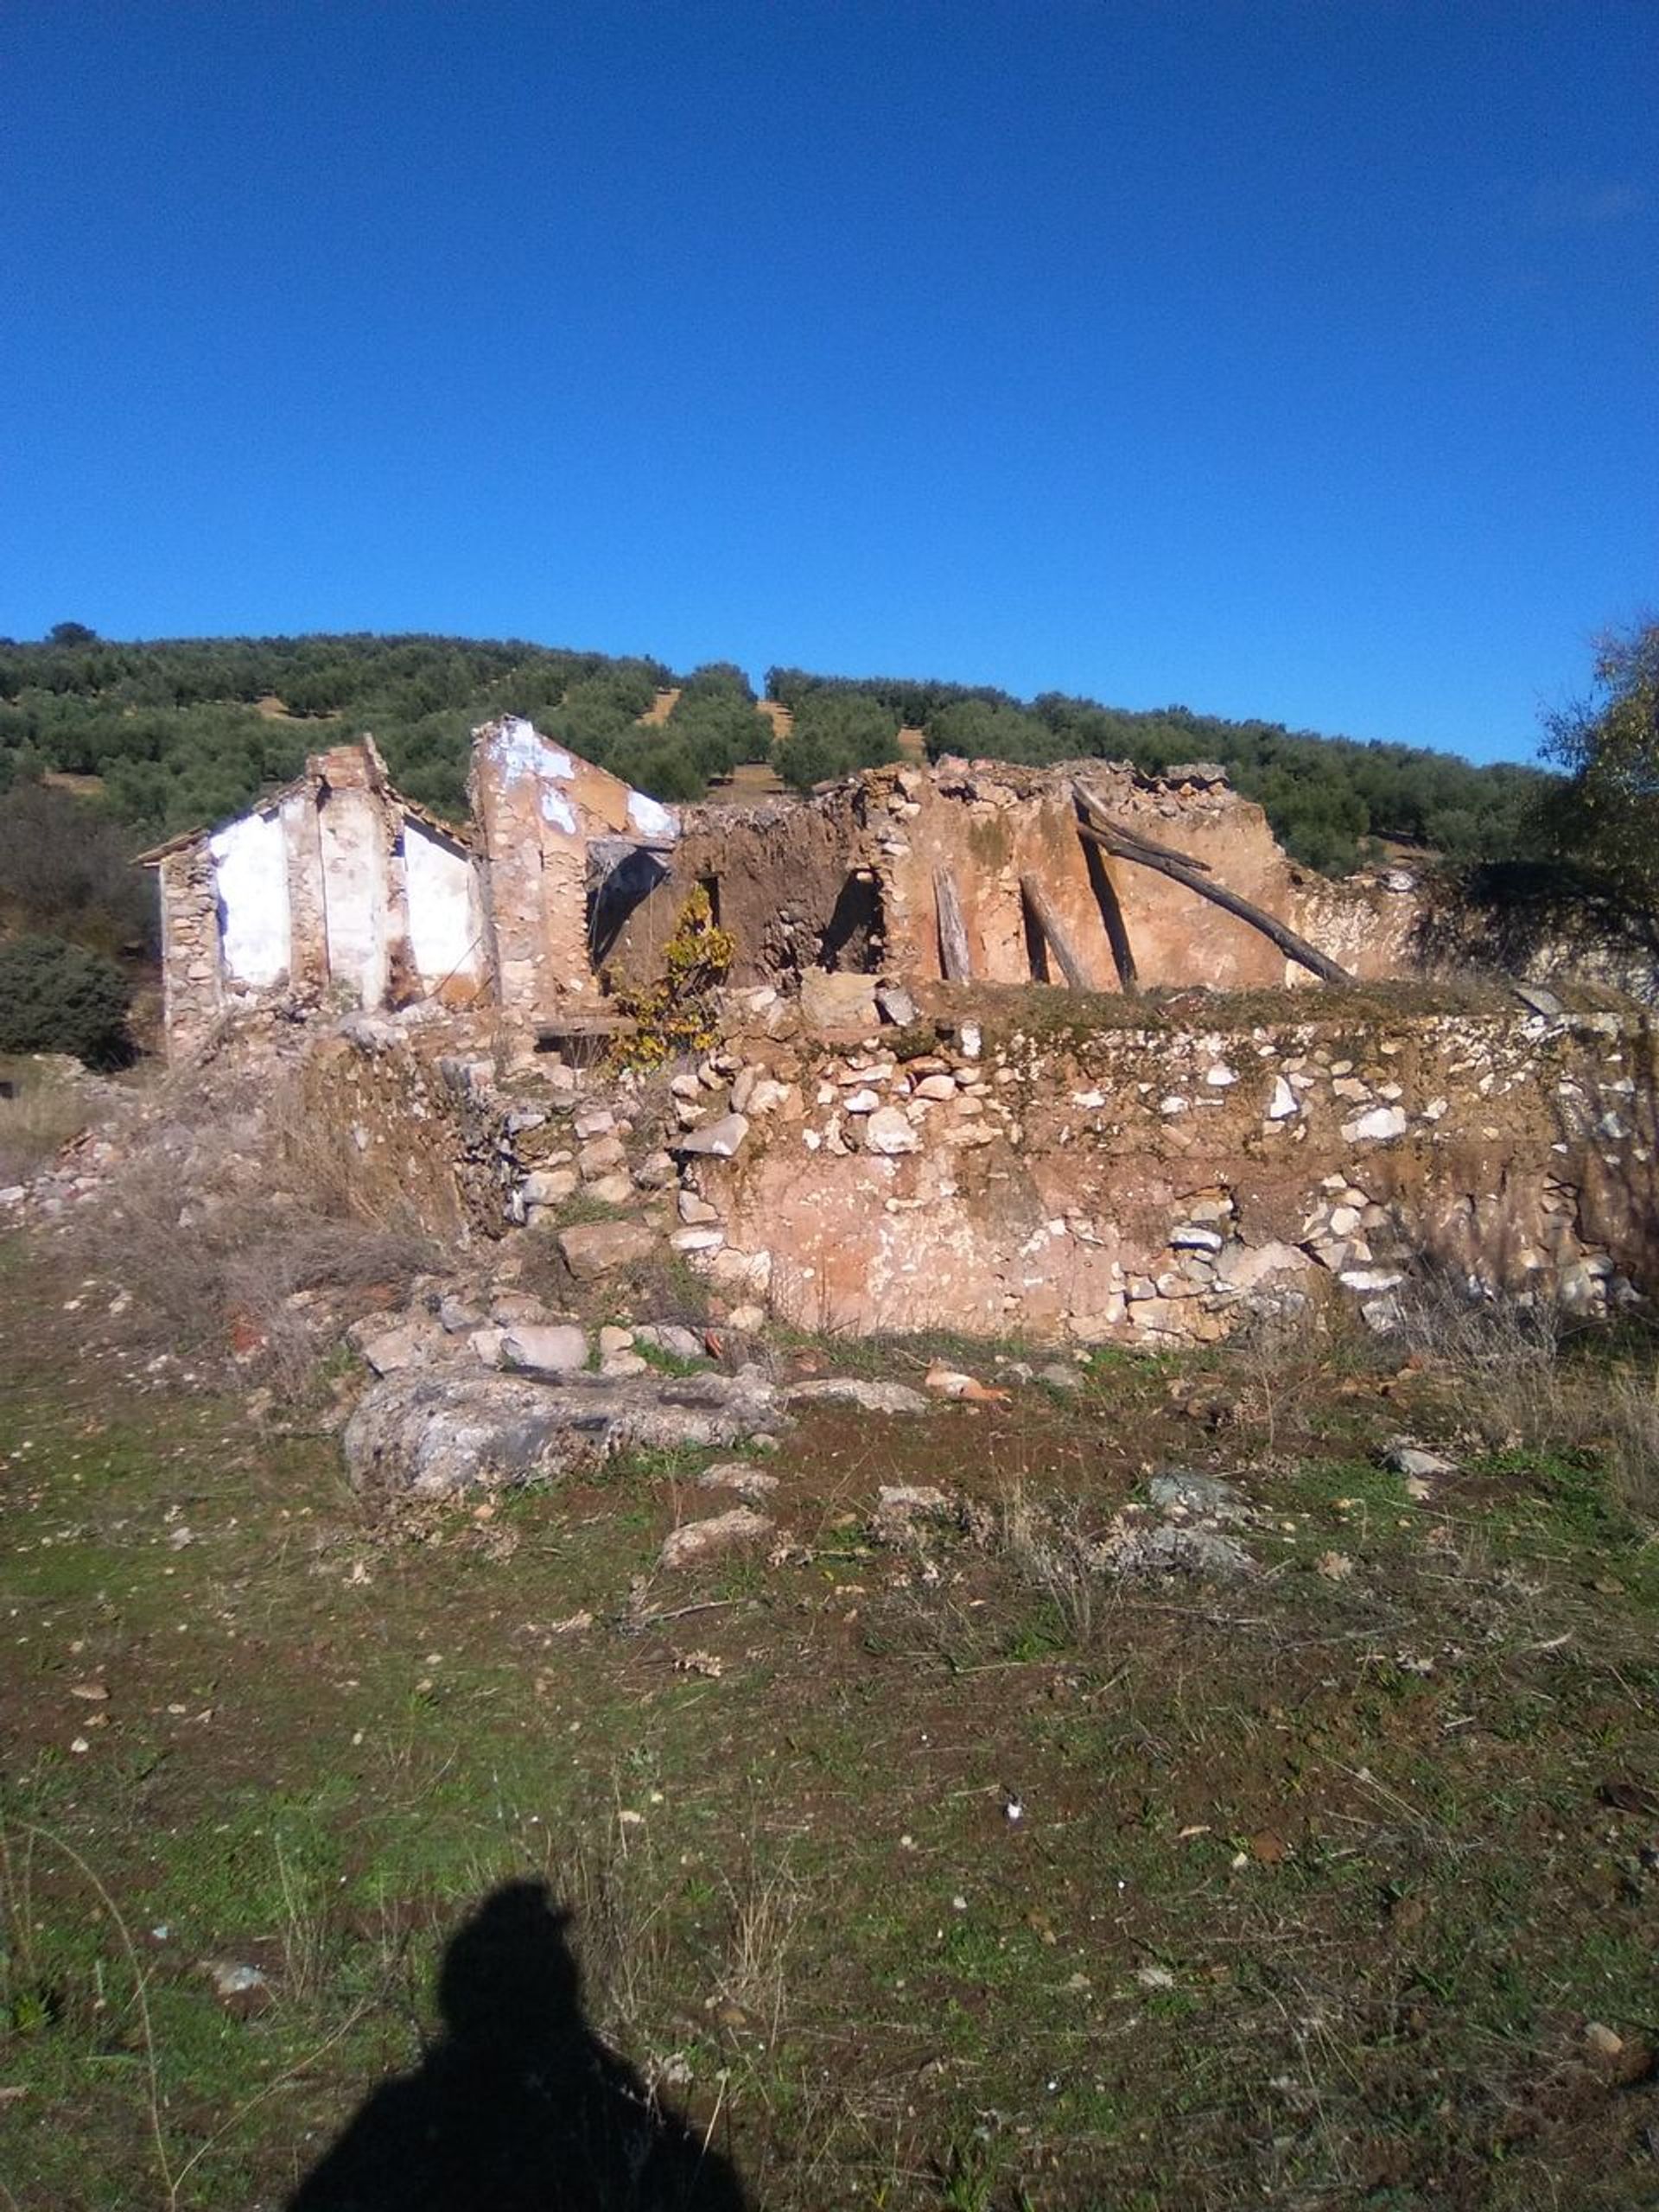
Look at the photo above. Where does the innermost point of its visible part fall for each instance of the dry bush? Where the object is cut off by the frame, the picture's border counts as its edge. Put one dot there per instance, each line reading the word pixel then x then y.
pixel 1504 1353
pixel 1049 1551
pixel 35 1123
pixel 316 1156
pixel 239 1200
pixel 1528 1375
pixel 1629 1404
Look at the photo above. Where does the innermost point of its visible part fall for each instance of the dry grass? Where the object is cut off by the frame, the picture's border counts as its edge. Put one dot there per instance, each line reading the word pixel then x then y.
pixel 37 1122
pixel 1049 1551
pixel 241 1221
pixel 1530 1376
pixel 764 1904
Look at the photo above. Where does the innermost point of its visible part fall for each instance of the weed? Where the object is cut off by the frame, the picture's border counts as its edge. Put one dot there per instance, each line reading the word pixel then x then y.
pixel 1048 1549
pixel 763 1905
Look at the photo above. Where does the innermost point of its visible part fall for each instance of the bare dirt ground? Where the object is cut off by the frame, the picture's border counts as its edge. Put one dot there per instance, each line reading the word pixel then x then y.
pixel 915 1869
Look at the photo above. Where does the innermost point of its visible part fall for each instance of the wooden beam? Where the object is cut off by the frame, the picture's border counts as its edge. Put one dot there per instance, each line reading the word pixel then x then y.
pixel 955 957
pixel 1090 808
pixel 1111 914
pixel 1123 844
pixel 1054 929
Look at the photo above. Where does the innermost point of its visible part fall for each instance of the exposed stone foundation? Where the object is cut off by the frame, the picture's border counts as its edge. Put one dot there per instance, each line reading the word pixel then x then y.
pixel 1135 1184
pixel 1031 1168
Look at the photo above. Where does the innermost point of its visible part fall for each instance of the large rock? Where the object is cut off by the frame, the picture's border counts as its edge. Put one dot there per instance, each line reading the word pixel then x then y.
pixel 695 1540
pixel 888 1132
pixel 427 1434
pixel 388 1351
pixel 835 1002
pixel 549 1348
pixel 854 1390
pixel 717 1139
pixel 594 1249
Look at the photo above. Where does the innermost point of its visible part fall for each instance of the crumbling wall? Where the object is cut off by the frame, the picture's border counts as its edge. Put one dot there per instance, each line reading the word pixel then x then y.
pixel 1059 1168
pixel 989 824
pixel 332 888
pixel 538 808
pixel 1371 924
pixel 192 979
pixel 1143 1185
pixel 783 874
pixel 424 1119
pixel 776 874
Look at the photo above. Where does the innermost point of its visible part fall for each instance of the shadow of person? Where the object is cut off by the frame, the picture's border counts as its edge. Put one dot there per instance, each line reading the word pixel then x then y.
pixel 518 2106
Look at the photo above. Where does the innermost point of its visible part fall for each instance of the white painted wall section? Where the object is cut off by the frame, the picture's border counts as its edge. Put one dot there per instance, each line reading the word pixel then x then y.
pixel 649 819
pixel 251 876
pixel 446 921
pixel 521 750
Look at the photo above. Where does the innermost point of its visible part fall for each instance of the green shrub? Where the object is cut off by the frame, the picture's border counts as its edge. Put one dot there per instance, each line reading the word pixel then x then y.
pixel 57 997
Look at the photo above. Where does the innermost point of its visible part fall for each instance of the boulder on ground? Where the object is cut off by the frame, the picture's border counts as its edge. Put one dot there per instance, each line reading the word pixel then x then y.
pixel 594 1249
pixel 853 1390
pixel 388 1349
pixel 695 1541
pixel 548 1348
pixel 426 1433
pixel 716 1139
pixel 836 1001
pixel 1180 1495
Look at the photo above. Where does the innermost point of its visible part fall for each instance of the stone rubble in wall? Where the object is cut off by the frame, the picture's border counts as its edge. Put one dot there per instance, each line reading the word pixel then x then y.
pixel 529 1142
pixel 867 1099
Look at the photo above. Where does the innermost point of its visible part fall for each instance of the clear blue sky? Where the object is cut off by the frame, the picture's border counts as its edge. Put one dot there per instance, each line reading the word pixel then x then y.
pixel 1300 360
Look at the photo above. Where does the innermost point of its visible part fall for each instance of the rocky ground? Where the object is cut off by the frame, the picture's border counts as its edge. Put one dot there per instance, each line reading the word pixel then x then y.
pixel 977 1779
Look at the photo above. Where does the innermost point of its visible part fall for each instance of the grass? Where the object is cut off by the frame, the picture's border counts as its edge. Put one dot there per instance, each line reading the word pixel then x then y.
pixel 1318 1890
pixel 39 1115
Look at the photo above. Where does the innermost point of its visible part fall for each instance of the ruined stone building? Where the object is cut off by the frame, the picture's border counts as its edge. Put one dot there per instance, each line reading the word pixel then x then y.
pixel 889 1133
pixel 338 890
pixel 980 872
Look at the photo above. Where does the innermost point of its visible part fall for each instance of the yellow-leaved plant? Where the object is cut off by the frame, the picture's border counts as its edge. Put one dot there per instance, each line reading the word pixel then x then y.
pixel 675 1014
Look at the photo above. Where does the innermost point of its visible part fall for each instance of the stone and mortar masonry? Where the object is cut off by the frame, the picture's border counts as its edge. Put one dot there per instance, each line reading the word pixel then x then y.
pixel 192 976
pixel 1066 1182
pixel 1143 1185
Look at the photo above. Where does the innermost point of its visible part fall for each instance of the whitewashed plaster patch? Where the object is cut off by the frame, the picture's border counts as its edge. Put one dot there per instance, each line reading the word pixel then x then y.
pixel 251 875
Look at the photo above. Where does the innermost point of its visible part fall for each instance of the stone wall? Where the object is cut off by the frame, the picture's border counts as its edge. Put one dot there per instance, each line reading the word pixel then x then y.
pixel 1138 1184
pixel 192 976
pixel 1062 1170
pixel 539 808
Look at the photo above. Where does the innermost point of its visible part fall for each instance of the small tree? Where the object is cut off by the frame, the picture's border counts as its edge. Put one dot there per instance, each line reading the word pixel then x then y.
pixel 56 997
pixel 1609 745
pixel 675 1014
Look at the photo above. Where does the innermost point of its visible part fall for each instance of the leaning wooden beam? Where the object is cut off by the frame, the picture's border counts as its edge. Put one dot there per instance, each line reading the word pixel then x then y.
pixel 1090 809
pixel 1054 929
pixel 1111 914
pixel 955 958
pixel 1126 846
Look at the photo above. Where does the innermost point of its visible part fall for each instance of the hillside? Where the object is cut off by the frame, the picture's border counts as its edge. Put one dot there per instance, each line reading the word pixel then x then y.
pixel 185 730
